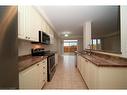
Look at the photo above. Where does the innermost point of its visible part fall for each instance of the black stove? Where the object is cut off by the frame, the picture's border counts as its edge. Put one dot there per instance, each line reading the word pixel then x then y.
pixel 51 68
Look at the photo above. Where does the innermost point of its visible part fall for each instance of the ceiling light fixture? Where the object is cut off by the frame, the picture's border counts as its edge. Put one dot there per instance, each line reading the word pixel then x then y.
pixel 66 35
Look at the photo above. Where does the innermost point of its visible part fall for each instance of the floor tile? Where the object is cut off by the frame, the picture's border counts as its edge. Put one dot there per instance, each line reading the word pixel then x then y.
pixel 67 75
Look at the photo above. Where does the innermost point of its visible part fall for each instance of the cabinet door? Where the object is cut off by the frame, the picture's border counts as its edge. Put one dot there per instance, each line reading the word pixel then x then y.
pixel 56 58
pixel 51 39
pixel 28 79
pixel 43 23
pixel 81 66
pixel 34 24
pixel 83 63
pixel 21 22
pixel 47 29
pixel 91 75
pixel 40 75
pixel 78 61
pixel 29 23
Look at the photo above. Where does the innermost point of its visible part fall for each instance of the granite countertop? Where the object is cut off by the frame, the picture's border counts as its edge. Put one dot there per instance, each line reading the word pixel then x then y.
pixel 28 60
pixel 104 61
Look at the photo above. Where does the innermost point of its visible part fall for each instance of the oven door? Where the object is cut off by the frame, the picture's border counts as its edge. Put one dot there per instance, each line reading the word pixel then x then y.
pixel 51 63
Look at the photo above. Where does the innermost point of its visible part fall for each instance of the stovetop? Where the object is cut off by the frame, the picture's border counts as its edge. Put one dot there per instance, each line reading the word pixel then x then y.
pixel 42 52
pixel 49 54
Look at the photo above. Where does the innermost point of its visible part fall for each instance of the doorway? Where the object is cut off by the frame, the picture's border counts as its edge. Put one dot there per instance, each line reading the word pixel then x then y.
pixel 70 46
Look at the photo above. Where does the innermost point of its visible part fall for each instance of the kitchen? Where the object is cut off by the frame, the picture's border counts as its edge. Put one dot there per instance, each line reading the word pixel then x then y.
pixel 100 62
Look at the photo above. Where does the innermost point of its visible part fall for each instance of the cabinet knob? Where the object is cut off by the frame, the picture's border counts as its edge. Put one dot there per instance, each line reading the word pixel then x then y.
pixel 37 64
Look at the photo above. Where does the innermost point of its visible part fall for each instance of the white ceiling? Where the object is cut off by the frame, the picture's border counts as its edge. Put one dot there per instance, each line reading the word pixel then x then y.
pixel 71 18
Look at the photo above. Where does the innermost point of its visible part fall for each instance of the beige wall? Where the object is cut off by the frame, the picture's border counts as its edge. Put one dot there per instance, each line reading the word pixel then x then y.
pixel 111 43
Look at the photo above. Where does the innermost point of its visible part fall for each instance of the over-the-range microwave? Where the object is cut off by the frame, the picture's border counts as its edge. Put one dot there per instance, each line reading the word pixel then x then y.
pixel 44 38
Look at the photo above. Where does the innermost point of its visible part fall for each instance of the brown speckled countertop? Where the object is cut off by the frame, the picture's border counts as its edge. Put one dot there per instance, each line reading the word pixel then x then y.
pixel 28 60
pixel 104 60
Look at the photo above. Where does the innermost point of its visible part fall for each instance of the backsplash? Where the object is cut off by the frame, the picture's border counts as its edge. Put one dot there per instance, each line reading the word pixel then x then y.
pixel 24 47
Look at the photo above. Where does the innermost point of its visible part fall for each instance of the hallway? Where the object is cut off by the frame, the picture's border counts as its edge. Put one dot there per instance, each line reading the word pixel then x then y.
pixel 66 75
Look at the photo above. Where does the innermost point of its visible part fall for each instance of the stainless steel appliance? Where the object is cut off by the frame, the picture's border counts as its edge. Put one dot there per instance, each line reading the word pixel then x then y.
pixel 51 66
pixel 50 61
pixel 44 38
pixel 8 47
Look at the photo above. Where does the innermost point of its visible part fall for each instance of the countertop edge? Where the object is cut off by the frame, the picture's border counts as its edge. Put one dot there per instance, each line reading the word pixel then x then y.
pixel 20 69
pixel 101 65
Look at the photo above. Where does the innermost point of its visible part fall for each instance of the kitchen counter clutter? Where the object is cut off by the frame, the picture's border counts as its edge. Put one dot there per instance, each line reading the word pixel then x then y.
pixel 32 72
pixel 101 71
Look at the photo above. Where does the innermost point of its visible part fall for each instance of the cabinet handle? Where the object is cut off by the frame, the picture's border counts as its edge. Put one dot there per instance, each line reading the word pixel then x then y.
pixel 86 60
pixel 26 36
pixel 44 67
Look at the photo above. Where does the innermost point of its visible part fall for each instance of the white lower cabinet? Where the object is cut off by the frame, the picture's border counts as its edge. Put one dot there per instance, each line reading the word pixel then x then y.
pixel 97 77
pixel 56 58
pixel 79 62
pixel 33 77
pixel 28 79
pixel 91 74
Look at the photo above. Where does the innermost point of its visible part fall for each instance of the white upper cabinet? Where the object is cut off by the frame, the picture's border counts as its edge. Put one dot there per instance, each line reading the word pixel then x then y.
pixel 48 30
pixel 21 22
pixel 29 23
pixel 51 39
pixel 34 23
pixel 43 26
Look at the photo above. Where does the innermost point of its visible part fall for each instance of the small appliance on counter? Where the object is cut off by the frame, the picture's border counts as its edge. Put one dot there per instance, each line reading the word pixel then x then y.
pixel 51 68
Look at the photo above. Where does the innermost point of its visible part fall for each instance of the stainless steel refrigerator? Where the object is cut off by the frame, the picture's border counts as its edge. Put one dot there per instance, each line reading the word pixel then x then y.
pixel 8 47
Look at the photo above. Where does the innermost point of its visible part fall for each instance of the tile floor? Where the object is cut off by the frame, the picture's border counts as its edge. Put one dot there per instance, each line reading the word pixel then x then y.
pixel 66 76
